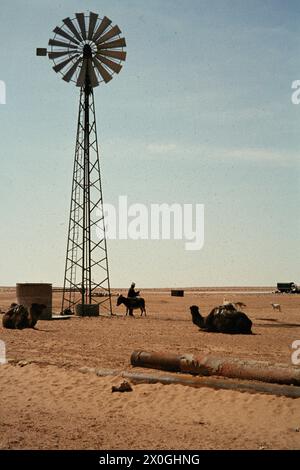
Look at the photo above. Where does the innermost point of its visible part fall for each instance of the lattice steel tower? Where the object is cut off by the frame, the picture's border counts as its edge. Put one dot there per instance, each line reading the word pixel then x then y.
pixel 86 50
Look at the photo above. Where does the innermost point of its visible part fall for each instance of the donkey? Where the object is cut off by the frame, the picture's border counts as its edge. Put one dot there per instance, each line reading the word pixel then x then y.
pixel 132 304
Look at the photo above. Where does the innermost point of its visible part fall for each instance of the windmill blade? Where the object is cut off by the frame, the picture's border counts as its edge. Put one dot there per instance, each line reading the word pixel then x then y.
pixel 81 22
pixel 92 75
pixel 114 54
pixel 72 28
pixel 54 42
pixel 112 65
pixel 92 24
pixel 65 35
pixel 67 77
pixel 111 45
pixel 102 27
pixel 82 74
pixel 61 65
pixel 57 55
pixel 103 72
pixel 111 34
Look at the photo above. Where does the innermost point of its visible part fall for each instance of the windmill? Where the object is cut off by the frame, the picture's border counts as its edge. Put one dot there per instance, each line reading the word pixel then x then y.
pixel 86 50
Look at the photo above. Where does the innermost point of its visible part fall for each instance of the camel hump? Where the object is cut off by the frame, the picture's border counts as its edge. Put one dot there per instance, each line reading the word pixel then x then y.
pixel 18 309
pixel 16 317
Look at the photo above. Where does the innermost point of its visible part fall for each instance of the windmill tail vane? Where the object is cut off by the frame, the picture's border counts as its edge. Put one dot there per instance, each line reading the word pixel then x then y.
pixel 86 50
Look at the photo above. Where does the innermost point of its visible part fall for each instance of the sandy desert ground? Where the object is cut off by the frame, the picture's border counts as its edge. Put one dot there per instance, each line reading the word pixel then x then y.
pixel 46 402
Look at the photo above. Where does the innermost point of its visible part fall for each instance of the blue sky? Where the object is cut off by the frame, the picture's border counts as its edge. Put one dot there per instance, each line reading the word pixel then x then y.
pixel 201 113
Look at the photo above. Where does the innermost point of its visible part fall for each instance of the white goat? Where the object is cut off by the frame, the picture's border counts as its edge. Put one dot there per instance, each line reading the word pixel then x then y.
pixel 276 307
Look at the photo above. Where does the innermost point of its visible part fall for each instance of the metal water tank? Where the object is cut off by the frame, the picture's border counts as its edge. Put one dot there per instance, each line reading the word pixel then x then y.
pixel 87 310
pixel 28 294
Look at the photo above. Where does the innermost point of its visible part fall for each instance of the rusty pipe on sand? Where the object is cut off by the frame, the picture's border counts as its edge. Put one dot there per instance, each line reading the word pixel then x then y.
pixel 209 364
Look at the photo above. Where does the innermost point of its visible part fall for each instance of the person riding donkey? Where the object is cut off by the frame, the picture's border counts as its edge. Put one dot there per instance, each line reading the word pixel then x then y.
pixel 132 301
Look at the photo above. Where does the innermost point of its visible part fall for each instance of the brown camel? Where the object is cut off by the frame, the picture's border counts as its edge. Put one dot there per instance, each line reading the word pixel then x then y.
pixel 18 316
pixel 222 320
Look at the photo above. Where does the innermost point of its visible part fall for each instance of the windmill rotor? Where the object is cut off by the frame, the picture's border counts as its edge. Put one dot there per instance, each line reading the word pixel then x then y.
pixel 86 49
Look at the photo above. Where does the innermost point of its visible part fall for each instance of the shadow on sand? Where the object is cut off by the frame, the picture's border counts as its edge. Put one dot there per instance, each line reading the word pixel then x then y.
pixel 276 324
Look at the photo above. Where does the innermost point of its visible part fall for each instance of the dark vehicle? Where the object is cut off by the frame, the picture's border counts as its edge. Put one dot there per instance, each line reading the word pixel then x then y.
pixel 288 288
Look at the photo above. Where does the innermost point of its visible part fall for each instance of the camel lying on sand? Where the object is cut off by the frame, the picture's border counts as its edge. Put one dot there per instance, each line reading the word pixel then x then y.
pixel 18 316
pixel 222 319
